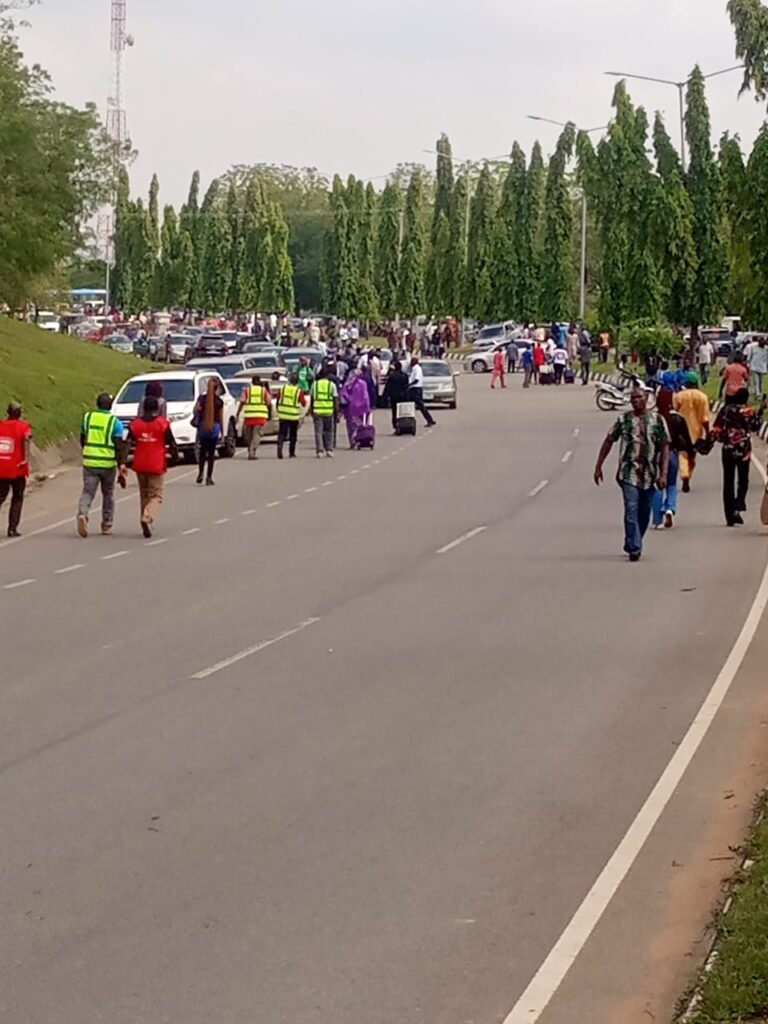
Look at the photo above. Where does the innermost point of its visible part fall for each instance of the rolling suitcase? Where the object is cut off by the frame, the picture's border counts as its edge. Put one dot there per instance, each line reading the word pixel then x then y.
pixel 546 375
pixel 365 436
pixel 405 419
pixel 569 377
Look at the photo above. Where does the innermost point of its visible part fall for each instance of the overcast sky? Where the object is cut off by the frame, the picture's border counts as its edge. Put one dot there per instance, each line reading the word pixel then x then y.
pixel 357 86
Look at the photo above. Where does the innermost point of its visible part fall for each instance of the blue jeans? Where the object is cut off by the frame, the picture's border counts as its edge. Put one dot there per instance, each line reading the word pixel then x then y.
pixel 666 501
pixel 637 516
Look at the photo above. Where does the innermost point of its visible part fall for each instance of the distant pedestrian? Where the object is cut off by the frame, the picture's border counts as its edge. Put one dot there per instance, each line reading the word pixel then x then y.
pixel 539 360
pixel 560 361
pixel 289 404
pixel 498 369
pixel 208 418
pixel 151 434
pixel 528 366
pixel 585 357
pixel 101 440
pixel 734 376
pixel 512 356
pixel 396 389
pixel 572 344
pixel 605 346
pixel 757 362
pixel 643 466
pixel 665 498
pixel 15 447
pixel 706 357
pixel 693 404
pixel 324 408
pixel 355 404
pixel 305 375
pixel 256 406
pixel 416 391
pixel 733 427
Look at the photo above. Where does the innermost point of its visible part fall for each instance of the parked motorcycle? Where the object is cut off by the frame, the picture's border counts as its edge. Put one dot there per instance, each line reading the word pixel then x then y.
pixel 610 397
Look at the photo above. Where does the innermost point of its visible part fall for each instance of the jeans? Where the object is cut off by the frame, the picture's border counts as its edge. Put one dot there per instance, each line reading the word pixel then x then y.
pixel 150 495
pixel 527 374
pixel 511 365
pixel 666 500
pixel 93 479
pixel 287 431
pixel 735 485
pixel 637 516
pixel 585 373
pixel 324 433
pixel 16 487
pixel 207 455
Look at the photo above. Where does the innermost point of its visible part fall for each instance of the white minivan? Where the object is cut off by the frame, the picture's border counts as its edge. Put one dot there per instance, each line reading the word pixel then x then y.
pixel 181 390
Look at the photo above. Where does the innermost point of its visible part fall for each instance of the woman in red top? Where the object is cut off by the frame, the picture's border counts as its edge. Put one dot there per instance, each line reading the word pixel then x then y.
pixel 498 369
pixel 15 441
pixel 151 433
pixel 735 376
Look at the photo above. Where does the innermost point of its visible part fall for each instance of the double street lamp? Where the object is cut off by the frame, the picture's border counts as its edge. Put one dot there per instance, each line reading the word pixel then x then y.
pixel 680 86
pixel 583 270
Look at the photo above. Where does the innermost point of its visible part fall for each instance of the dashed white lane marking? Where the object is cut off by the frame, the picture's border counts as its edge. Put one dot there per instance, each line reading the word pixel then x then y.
pixel 19 583
pixel 460 540
pixel 310 490
pixel 576 431
pixel 188 533
pixel 115 554
pixel 538 489
pixel 354 472
pixel 343 476
pixel 248 512
pixel 367 465
pixel 70 568
pixel 154 543
pixel 328 483
pixel 273 504
pixel 566 457
pixel 547 980
pixel 220 522
pixel 292 497
pixel 249 651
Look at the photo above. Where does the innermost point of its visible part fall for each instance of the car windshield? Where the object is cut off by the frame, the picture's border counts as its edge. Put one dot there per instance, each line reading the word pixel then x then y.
pixel 436 370
pixel 237 387
pixel 490 332
pixel 264 361
pixel 177 342
pixel 178 390
pixel 223 369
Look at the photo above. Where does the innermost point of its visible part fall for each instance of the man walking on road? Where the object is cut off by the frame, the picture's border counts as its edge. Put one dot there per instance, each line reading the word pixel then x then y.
pixel 101 439
pixel 527 366
pixel 706 357
pixel 292 397
pixel 498 369
pixel 15 444
pixel 396 389
pixel 416 391
pixel 693 405
pixel 256 404
pixel 585 356
pixel 512 355
pixel 324 407
pixel 643 466
pixel 151 433
pixel 757 361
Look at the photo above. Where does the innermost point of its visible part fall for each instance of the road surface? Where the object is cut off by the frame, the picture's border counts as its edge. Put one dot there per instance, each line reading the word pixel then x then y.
pixel 350 741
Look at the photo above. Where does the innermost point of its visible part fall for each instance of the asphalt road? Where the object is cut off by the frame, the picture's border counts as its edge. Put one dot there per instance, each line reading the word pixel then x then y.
pixel 304 758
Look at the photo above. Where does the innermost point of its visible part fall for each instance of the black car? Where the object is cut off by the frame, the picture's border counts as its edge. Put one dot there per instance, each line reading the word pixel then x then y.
pixel 208 345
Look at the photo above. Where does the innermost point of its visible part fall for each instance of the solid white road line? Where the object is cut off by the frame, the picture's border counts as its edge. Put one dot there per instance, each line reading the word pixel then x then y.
pixel 20 583
pixel 115 554
pixel 354 472
pixel 539 993
pixel 70 568
pixel 460 540
pixel 188 533
pixel 538 489
pixel 566 457
pixel 342 477
pixel 241 655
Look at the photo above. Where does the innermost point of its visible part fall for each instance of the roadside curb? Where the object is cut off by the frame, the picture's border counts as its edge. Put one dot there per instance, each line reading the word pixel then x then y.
pixel 713 951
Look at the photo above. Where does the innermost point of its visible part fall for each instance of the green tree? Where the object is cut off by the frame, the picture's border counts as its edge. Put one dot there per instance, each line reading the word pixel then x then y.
pixel 530 249
pixel 191 223
pixel 237 249
pixel 216 265
pixel 508 239
pixel 458 246
pixel 557 268
pixel 411 295
pixel 479 284
pixel 750 20
pixel 439 273
pixel 756 308
pixel 387 255
pixel 278 282
pixel 737 225
pixel 368 302
pixel 704 188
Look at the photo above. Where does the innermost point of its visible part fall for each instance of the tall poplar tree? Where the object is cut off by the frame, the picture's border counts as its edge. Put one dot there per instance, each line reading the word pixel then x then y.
pixel 737 196
pixel 387 250
pixel 757 230
pixel 439 274
pixel 480 299
pixel 216 267
pixel 530 249
pixel 508 239
pixel 458 246
pixel 411 296
pixel 190 222
pixel 557 267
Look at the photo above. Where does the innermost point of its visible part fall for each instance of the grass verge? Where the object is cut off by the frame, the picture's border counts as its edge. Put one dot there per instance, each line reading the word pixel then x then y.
pixel 737 987
pixel 56 378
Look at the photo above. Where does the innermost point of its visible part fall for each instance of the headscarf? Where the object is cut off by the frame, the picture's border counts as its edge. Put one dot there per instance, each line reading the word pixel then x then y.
pixel 691 379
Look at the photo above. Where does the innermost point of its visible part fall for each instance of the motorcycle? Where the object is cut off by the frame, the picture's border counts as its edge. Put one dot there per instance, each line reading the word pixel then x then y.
pixel 610 397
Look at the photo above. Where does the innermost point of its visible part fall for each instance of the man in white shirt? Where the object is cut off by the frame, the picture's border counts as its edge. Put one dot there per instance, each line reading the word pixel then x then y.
pixel 757 361
pixel 416 391
pixel 314 333
pixel 706 357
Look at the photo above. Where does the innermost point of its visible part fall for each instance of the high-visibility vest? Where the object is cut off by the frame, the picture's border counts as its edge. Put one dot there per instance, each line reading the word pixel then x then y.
pixel 256 404
pixel 99 448
pixel 322 398
pixel 288 403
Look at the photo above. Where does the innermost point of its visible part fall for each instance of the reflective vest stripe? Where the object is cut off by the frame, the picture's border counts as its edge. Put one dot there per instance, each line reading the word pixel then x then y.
pixel 256 405
pixel 99 448
pixel 288 403
pixel 322 404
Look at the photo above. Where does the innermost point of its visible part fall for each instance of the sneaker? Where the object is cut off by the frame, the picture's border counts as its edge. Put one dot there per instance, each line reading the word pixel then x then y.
pixel 106 531
pixel 658 526
pixel 669 519
pixel 329 455
pixel 686 485
pixel 209 482
pixel 738 519
pixel 318 455
pixel 82 526
pixel 634 556
pixel 199 479
pixel 14 533
pixel 146 529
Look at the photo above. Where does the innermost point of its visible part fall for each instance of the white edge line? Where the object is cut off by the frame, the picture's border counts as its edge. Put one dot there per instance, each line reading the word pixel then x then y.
pixel 69 568
pixel 460 540
pixel 249 651
pixel 188 533
pixel 566 457
pixel 115 554
pixel 19 583
pixel 538 489
pixel 576 431
pixel 547 980
pixel 342 477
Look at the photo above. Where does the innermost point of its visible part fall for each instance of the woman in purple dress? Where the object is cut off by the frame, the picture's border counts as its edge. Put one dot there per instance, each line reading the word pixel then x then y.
pixel 356 404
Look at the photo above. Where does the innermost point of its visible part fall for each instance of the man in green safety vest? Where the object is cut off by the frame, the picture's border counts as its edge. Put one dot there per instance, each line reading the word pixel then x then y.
pixel 256 406
pixel 325 410
pixel 289 415
pixel 101 438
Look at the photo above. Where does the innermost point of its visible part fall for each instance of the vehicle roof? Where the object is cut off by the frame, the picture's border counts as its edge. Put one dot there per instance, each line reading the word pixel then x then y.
pixel 175 375
pixel 220 359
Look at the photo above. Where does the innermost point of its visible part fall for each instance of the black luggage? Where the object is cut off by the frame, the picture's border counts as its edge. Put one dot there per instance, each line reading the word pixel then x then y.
pixel 569 376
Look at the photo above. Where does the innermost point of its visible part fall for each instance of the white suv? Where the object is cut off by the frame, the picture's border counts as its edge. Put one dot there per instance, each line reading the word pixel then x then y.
pixel 181 390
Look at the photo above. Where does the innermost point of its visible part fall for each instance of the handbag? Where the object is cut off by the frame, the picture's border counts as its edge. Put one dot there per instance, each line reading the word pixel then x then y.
pixel 705 445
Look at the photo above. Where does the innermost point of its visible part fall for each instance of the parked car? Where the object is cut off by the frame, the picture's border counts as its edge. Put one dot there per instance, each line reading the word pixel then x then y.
pixel 227 366
pixel 181 389
pixel 47 320
pixel 207 345
pixel 119 343
pixel 439 382
pixel 291 357
pixel 482 362
pixel 237 387
pixel 490 335
pixel 720 338
pixel 173 348
pixel 146 348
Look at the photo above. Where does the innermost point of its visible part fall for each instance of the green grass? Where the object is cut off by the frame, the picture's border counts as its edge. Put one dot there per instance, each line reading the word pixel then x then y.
pixel 737 988
pixel 56 378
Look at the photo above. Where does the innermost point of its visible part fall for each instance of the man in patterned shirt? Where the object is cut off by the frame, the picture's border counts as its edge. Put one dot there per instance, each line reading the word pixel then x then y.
pixel 643 464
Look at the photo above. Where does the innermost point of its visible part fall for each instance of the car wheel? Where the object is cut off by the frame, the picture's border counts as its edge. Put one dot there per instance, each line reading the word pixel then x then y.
pixel 478 366
pixel 452 405
pixel 229 447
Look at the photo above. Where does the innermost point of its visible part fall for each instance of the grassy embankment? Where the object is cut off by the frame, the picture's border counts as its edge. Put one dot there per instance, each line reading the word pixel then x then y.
pixel 737 987
pixel 56 378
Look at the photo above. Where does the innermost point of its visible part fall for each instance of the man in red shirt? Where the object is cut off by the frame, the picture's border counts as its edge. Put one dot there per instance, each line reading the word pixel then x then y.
pixel 15 442
pixel 498 369
pixel 151 432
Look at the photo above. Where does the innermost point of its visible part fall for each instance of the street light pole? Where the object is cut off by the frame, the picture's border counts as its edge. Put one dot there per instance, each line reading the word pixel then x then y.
pixel 680 86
